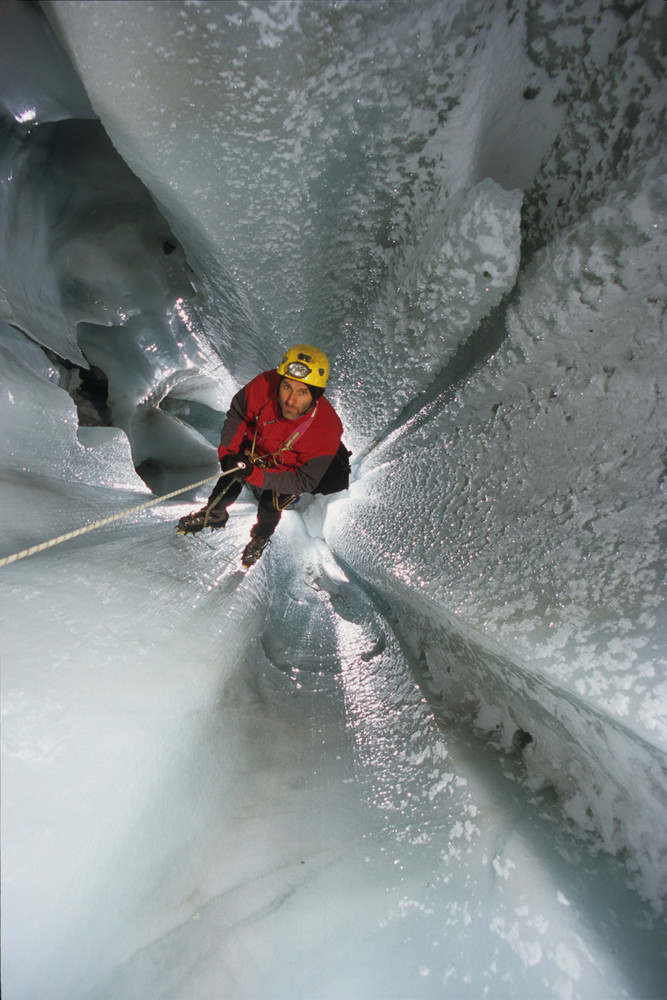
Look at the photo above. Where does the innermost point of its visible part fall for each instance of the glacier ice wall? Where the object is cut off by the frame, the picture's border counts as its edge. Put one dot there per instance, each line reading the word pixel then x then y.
pixel 465 203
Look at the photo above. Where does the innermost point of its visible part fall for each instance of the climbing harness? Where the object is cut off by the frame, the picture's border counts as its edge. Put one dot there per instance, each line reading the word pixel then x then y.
pixel 107 520
pixel 273 460
pixel 264 461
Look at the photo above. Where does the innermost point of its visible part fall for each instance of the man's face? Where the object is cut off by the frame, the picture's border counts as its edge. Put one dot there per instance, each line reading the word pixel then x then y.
pixel 294 398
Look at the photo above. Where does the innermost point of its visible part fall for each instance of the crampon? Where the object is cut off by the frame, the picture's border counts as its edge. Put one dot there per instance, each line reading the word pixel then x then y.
pixel 200 519
pixel 253 551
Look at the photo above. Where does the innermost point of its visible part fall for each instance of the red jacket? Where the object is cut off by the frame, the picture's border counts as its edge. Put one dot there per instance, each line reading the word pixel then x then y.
pixel 300 450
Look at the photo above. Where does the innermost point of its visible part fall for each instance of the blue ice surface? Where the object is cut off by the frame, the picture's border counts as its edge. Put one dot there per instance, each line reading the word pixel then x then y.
pixel 419 749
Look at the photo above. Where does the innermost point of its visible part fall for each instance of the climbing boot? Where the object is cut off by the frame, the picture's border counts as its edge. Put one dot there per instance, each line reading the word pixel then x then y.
pixel 253 550
pixel 200 519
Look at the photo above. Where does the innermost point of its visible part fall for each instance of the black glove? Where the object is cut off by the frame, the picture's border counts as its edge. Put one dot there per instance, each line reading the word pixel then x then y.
pixel 244 467
pixel 228 462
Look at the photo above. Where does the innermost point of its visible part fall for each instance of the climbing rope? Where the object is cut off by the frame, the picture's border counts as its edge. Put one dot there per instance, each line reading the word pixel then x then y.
pixel 107 520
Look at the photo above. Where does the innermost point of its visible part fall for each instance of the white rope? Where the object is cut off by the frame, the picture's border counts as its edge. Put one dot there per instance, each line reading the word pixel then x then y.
pixel 107 520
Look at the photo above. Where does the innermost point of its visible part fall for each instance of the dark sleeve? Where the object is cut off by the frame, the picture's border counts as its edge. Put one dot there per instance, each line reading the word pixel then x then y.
pixel 302 479
pixel 235 425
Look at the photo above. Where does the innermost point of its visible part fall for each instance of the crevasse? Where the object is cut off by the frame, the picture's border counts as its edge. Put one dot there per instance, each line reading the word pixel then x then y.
pixel 419 750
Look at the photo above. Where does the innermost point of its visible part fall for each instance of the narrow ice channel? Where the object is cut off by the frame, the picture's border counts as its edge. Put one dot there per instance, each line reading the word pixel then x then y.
pixel 419 749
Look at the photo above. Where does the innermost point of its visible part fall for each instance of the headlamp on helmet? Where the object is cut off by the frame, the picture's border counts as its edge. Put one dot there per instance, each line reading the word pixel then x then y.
pixel 305 364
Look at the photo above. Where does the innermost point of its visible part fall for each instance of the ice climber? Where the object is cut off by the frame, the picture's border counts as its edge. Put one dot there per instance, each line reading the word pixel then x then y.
pixel 280 436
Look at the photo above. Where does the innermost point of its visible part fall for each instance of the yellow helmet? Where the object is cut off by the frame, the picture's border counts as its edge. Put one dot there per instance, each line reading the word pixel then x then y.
pixel 305 364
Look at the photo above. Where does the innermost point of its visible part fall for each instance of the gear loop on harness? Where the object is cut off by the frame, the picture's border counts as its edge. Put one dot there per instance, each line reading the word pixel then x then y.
pixel 288 502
